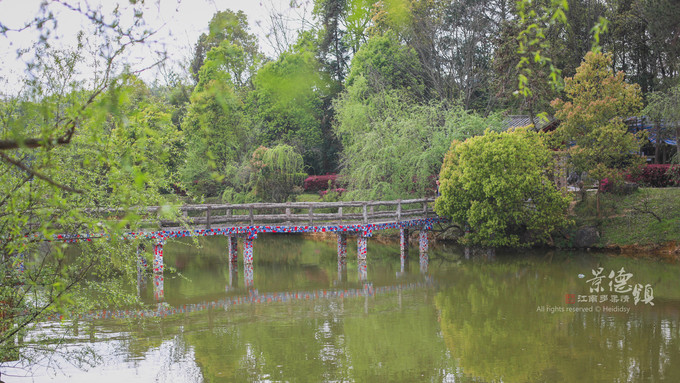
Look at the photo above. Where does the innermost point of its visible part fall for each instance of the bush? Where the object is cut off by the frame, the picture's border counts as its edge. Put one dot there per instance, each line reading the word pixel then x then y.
pixel 496 186
pixel 656 175
pixel 332 195
pixel 319 183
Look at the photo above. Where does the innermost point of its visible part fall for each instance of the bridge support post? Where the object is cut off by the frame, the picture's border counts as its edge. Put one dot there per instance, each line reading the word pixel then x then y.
pixel 158 257
pixel 141 267
pixel 424 245
pixel 233 249
pixel 362 247
pixel 403 242
pixel 423 242
pixel 342 246
pixel 342 257
pixel 248 250
pixel 248 274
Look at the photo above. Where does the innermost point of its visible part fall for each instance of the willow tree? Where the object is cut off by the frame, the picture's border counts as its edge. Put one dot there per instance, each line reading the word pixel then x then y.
pixel 277 173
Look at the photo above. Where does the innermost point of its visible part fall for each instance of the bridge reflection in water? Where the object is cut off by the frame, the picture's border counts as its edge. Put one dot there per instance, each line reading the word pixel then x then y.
pixel 249 269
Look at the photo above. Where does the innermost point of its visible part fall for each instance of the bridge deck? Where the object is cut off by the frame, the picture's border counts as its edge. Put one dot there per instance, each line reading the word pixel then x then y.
pixel 359 217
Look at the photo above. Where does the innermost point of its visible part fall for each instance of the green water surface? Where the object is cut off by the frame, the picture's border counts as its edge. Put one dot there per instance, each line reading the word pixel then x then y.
pixel 305 318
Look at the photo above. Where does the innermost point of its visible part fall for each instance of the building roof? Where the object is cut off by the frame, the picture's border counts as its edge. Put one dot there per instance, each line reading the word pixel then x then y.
pixel 520 120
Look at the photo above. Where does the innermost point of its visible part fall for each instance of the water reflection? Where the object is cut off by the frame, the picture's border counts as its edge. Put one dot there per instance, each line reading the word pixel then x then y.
pixel 492 322
pixel 233 275
pixel 442 318
pixel 342 270
pixel 248 274
pixel 158 289
pixel 424 263
pixel 362 267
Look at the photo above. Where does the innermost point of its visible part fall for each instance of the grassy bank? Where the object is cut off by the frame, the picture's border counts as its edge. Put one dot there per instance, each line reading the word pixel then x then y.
pixel 648 217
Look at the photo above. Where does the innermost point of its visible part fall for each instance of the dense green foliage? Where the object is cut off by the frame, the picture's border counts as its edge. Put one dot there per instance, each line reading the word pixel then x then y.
pixel 592 118
pixel 374 90
pixel 496 187
pixel 121 155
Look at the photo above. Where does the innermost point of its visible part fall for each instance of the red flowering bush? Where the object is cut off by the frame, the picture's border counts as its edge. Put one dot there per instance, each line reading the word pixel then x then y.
pixel 339 192
pixel 656 175
pixel 318 183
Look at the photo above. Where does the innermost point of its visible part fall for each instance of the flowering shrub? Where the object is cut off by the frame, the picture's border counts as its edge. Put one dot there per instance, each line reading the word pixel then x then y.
pixel 318 183
pixel 339 192
pixel 606 186
pixel 656 175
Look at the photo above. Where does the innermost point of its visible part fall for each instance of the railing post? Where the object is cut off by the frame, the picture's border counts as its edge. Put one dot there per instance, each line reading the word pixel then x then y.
pixel 288 211
pixel 399 211
pixel 311 215
pixel 207 216
pixel 365 214
pixel 425 208
pixel 339 214
pixel 250 213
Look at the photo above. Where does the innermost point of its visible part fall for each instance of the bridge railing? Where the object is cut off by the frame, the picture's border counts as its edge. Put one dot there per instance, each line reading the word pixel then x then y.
pixel 307 213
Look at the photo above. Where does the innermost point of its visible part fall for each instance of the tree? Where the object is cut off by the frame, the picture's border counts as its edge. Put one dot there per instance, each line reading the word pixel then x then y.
pixel 495 187
pixel 277 173
pixel 592 118
pixel 216 124
pixel 663 109
pixel 387 64
pixel 231 27
pixel 287 101
pixel 393 145
pixel 68 146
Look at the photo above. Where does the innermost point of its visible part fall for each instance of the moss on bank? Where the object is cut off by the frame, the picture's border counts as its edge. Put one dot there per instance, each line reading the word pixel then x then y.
pixel 649 217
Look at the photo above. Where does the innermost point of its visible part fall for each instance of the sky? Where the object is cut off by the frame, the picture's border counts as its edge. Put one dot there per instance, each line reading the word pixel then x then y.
pixel 178 23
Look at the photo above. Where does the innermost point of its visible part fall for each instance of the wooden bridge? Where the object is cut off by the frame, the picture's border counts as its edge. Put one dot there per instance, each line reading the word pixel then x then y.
pixel 246 221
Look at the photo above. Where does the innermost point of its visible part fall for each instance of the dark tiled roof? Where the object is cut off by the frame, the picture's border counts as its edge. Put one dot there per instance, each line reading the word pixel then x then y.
pixel 518 121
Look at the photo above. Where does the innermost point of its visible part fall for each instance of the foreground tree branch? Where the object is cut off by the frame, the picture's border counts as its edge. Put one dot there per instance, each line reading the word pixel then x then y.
pixel 43 177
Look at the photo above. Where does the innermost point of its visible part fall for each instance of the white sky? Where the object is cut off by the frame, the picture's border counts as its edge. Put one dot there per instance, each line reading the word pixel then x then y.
pixel 179 24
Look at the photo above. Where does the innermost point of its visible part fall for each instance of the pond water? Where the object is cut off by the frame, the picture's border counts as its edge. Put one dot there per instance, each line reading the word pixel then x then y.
pixel 524 317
